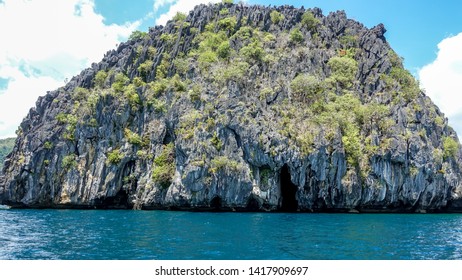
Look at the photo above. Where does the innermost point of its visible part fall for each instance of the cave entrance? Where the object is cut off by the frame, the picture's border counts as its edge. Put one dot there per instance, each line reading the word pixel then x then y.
pixel 289 201
pixel 119 201
pixel 216 203
pixel 252 204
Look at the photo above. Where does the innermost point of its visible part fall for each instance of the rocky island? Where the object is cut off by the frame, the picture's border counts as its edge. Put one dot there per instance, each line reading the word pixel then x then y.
pixel 240 108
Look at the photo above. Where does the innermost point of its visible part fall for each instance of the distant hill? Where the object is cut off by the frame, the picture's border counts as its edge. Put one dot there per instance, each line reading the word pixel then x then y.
pixel 6 146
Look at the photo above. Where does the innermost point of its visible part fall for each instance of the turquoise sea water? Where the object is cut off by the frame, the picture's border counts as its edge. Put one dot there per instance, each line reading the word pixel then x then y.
pixel 75 234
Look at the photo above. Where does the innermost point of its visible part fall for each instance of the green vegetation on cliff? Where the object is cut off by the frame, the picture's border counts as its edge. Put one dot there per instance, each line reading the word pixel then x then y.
pixel 6 146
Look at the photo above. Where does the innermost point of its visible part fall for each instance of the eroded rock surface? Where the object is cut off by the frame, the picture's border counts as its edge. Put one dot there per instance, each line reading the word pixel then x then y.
pixel 236 107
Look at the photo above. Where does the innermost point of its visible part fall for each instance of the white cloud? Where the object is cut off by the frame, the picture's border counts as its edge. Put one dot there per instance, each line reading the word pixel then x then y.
pixel 19 98
pixel 44 42
pixel 183 6
pixel 160 3
pixel 442 80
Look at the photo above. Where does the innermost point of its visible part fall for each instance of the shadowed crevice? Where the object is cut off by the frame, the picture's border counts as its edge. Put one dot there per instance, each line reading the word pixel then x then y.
pixel 289 201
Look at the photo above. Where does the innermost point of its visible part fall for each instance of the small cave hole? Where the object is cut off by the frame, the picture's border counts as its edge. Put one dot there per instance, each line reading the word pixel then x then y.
pixel 289 201
pixel 168 138
pixel 119 201
pixel 252 204
pixel 216 203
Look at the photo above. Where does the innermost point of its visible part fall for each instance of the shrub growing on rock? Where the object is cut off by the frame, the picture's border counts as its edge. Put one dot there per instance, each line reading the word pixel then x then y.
pixel 305 87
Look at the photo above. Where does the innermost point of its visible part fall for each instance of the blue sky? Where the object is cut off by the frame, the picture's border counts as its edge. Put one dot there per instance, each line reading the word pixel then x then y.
pixel 68 35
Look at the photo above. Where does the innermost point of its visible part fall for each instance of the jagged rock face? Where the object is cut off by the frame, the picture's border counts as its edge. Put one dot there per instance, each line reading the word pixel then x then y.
pixel 240 108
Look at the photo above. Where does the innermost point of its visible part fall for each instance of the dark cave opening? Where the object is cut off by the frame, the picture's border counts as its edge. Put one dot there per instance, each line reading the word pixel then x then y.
pixel 119 201
pixel 252 204
pixel 216 203
pixel 289 201
pixel 168 138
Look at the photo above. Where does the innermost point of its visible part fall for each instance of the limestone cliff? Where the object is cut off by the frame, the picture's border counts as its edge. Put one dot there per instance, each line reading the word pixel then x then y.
pixel 238 107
